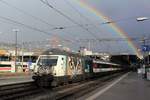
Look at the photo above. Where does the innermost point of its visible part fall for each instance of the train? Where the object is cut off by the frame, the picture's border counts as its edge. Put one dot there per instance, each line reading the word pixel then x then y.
pixel 56 67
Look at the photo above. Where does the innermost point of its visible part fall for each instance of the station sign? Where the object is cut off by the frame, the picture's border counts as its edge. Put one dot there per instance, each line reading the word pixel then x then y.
pixel 145 48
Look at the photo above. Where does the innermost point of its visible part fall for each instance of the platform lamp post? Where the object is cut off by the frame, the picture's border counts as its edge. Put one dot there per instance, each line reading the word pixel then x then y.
pixel 143 41
pixel 22 58
pixel 144 49
pixel 16 47
pixel 141 19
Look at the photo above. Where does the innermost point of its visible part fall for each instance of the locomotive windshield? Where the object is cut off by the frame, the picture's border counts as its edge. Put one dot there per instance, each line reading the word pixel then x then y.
pixel 48 60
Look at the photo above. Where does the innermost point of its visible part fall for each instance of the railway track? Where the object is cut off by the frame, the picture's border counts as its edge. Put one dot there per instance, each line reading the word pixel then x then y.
pixel 78 91
pixel 73 91
pixel 17 90
pixel 29 91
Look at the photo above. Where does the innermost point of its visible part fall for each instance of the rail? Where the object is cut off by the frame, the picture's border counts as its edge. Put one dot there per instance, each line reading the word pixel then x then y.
pixel 16 90
pixel 29 91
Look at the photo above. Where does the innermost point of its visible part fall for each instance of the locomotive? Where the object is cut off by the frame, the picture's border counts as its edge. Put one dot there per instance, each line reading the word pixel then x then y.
pixel 55 67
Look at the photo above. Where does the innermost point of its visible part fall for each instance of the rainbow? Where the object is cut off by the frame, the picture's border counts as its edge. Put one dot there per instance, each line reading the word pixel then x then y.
pixel 113 26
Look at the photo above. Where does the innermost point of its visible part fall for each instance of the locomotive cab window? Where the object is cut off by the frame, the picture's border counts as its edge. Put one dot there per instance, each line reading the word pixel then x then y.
pixel 48 60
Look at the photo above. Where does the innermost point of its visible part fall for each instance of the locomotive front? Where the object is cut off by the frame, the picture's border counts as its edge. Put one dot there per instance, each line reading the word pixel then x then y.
pixel 44 70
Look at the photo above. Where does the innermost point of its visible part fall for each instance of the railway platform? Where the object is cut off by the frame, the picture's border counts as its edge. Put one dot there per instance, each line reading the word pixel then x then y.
pixel 131 86
pixel 12 78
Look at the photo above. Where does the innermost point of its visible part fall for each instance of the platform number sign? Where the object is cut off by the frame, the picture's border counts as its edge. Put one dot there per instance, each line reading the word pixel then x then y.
pixel 145 48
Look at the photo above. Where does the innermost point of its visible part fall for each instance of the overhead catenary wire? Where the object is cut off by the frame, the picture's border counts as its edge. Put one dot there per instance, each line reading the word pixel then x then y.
pixel 67 17
pixel 26 13
pixel 112 39
pixel 85 18
pixel 34 28
pixel 108 22
pixel 83 26
pixel 31 15
pixel 121 20
pixel 35 17
pixel 43 21
pixel 82 15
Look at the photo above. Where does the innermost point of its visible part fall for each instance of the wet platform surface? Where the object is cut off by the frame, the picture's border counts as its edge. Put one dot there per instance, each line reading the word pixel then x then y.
pixel 128 87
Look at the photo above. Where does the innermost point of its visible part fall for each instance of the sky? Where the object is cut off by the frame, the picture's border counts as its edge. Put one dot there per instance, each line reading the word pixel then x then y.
pixel 38 22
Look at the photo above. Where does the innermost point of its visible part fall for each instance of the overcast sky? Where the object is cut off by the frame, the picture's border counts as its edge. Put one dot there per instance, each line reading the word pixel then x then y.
pixel 39 22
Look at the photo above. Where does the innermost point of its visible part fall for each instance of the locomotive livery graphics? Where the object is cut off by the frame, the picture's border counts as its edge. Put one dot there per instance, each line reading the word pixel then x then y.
pixel 74 66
